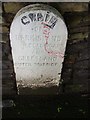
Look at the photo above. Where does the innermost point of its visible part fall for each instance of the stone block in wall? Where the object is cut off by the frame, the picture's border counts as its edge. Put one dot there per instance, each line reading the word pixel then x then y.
pixel 73 7
pixel 77 19
pixel 0 59
pixel 8 18
pixel 0 38
pixel 79 30
pixel 79 36
pixel 81 45
pixel 74 21
pixel 1 20
pixel 12 7
pixel 6 48
pixel 4 56
pixel 0 7
pixel 4 38
pixel 76 47
pixel 4 29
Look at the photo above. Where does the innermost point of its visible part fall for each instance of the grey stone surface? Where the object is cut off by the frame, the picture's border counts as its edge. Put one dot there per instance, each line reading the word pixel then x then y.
pixel 40 46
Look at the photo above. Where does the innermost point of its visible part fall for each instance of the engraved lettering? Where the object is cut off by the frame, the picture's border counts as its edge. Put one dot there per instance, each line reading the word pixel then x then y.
pixel 32 16
pixel 25 20
pixel 40 17
pixel 47 19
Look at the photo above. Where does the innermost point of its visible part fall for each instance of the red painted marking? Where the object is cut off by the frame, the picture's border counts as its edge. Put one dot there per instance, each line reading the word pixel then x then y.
pixel 46 32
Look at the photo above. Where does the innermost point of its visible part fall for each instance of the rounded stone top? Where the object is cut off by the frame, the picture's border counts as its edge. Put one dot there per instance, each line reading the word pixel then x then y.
pixel 38 7
pixel 38 37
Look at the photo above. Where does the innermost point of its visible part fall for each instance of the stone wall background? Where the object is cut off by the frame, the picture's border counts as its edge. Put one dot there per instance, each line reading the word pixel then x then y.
pixel 75 67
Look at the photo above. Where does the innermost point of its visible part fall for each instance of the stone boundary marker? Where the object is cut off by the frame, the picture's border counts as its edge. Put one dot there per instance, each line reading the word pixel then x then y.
pixel 75 66
pixel 38 37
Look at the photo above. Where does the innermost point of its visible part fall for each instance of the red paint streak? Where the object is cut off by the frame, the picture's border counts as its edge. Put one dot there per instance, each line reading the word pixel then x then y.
pixel 46 32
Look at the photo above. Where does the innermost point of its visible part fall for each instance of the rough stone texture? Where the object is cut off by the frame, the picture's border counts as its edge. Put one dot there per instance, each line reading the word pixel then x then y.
pixel 77 19
pixel 4 38
pixel 1 20
pixel 9 19
pixel 79 36
pixel 4 29
pixel 73 7
pixel 0 7
pixel 12 7
pixel 75 66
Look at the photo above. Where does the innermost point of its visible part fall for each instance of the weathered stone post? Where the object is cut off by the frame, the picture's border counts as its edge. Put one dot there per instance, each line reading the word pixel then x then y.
pixel 38 37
